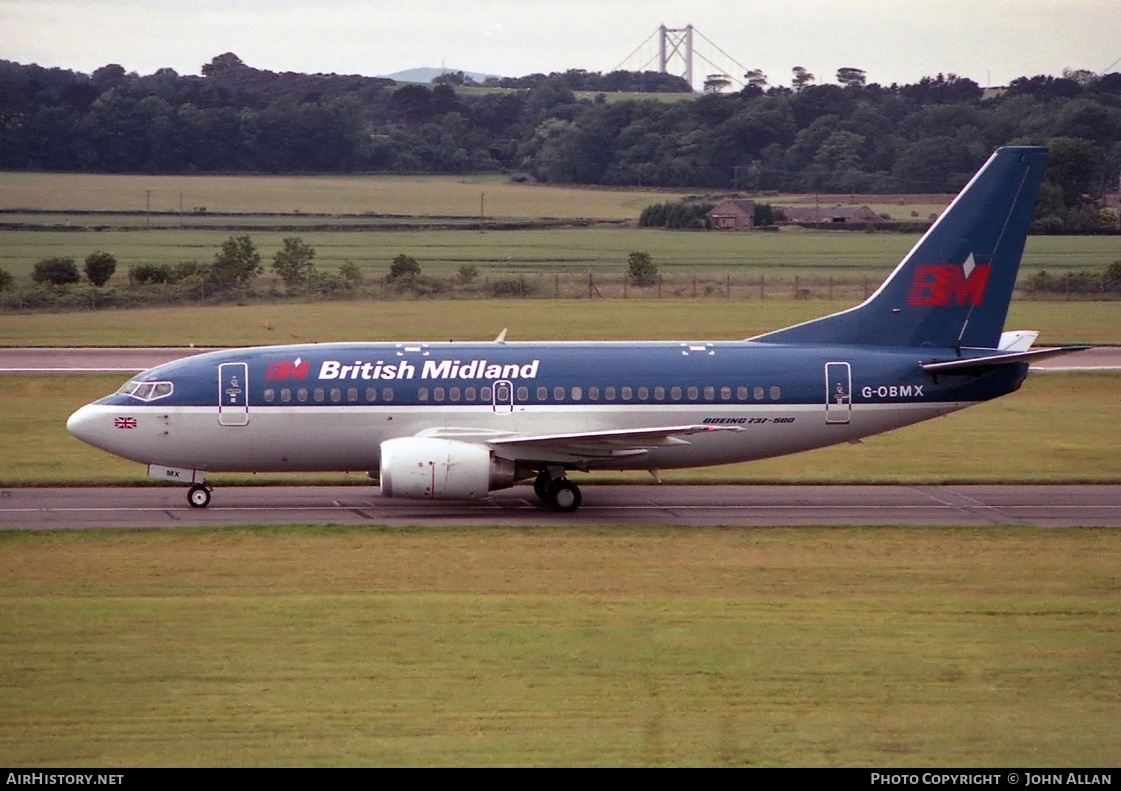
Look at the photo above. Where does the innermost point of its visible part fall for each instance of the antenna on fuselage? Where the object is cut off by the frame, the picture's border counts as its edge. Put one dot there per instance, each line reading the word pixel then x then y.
pixel 501 336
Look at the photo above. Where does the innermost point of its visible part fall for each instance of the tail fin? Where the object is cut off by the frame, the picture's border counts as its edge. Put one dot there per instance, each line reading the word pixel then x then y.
pixel 954 287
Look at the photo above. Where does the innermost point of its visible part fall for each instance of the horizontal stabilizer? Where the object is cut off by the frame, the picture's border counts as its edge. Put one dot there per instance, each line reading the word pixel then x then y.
pixel 967 363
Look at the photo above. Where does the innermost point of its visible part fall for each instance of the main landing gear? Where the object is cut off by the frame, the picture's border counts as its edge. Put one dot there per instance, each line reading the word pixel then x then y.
pixel 199 496
pixel 557 492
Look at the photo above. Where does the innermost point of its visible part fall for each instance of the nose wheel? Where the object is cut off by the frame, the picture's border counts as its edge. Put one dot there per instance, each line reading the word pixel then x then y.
pixel 198 496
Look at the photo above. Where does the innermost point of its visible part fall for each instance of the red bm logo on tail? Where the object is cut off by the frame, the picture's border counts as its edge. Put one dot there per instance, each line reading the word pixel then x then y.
pixel 287 369
pixel 948 285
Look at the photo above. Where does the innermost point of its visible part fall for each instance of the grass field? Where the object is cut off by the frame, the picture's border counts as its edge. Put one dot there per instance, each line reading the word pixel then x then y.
pixel 1051 431
pixel 594 646
pixel 573 250
pixel 428 196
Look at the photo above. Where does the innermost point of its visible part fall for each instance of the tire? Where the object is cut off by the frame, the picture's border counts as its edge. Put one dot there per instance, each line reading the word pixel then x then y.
pixel 564 496
pixel 541 486
pixel 198 496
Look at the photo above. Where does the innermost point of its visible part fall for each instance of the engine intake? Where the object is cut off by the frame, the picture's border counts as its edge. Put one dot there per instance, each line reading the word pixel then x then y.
pixel 441 469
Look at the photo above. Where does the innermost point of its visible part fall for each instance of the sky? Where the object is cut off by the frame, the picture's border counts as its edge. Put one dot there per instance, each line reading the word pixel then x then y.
pixel 989 41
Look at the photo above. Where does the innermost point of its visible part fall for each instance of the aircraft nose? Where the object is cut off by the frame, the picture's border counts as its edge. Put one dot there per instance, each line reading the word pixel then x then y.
pixel 83 424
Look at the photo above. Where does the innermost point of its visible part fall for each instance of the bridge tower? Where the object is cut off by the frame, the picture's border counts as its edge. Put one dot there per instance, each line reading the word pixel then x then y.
pixel 676 44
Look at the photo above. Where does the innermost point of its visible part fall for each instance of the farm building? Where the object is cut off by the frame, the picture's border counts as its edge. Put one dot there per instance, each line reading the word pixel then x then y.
pixel 732 215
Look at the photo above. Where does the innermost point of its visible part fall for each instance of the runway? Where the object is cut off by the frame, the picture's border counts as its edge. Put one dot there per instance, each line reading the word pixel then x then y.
pixel 127 361
pixel 649 505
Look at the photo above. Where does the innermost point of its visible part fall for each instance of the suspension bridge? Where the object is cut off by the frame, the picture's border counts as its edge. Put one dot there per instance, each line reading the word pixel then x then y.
pixel 677 50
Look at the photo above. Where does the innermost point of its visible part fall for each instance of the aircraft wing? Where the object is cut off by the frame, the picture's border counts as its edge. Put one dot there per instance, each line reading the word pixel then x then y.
pixel 588 445
pixel 966 363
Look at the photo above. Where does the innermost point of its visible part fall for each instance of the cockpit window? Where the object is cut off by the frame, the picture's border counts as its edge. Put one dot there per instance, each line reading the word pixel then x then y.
pixel 146 391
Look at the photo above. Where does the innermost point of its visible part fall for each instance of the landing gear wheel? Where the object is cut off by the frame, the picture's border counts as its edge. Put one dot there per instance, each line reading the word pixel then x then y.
pixel 564 496
pixel 541 485
pixel 198 496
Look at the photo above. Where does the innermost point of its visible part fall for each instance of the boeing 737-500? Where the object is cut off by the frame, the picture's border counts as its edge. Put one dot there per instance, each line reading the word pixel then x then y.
pixel 458 420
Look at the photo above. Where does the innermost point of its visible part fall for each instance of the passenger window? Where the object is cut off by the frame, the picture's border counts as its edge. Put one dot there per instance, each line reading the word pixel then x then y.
pixel 758 392
pixel 776 393
pixel 660 393
pixel 301 395
pixel 741 393
pixel 593 393
pixel 609 393
pixel 627 393
pixel 438 393
pixel 469 393
pixel 675 393
pixel 542 393
pixel 387 394
pixel 352 394
pixel 725 393
pixel 371 394
pixel 577 393
pixel 336 394
pixel 523 394
pixel 710 393
pixel 270 395
pixel 692 393
pixel 319 395
pixel 285 395
pixel 453 393
pixel 422 394
pixel 484 394
pixel 558 393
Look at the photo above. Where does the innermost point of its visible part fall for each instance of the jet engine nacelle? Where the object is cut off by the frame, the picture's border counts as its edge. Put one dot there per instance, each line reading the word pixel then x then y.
pixel 441 469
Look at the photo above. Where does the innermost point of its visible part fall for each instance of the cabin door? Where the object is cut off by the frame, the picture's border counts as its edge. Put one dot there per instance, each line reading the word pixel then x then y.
pixel 838 392
pixel 233 394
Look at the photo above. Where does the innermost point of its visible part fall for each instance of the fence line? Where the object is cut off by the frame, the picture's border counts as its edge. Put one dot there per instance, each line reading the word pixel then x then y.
pixel 545 285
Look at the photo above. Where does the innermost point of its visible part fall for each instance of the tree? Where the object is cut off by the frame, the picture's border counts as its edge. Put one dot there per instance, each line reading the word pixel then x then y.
pixel 756 78
pixel 641 269
pixel 404 267
pixel 801 79
pixel 294 262
pixel 227 62
pixel 100 267
pixel 350 274
pixel 851 78
pixel 6 280
pixel 237 262
pixel 715 83
pixel 58 271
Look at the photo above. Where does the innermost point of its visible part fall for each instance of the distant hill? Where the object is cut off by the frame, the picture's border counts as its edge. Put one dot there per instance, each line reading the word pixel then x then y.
pixel 426 74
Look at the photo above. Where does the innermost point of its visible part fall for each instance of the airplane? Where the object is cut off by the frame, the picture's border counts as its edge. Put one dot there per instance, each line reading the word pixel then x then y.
pixel 456 421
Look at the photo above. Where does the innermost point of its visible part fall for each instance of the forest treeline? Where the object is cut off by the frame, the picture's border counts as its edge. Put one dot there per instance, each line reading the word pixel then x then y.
pixel 926 137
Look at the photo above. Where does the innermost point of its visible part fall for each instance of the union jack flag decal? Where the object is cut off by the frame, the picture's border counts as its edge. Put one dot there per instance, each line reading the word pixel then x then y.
pixel 125 422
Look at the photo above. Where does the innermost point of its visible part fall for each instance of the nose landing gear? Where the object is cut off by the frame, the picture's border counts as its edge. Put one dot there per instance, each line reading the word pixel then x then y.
pixel 199 496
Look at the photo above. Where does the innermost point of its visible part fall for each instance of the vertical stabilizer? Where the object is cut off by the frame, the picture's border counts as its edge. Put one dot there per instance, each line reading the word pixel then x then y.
pixel 954 287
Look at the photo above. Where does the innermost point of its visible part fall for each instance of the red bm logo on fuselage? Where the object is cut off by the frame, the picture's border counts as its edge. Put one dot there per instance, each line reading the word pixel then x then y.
pixel 948 285
pixel 288 369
